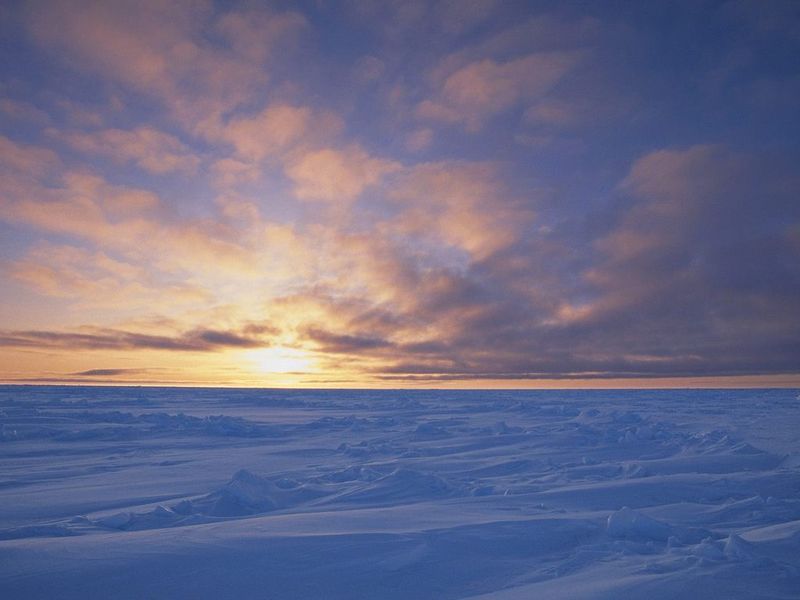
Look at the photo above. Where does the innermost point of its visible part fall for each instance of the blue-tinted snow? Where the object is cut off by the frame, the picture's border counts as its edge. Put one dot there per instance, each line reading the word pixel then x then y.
pixel 219 493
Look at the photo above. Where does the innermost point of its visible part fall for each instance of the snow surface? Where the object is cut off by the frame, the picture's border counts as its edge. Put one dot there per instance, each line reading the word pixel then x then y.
pixel 203 493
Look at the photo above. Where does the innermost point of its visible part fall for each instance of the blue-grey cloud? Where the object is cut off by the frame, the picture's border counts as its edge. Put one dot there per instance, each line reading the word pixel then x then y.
pixel 198 340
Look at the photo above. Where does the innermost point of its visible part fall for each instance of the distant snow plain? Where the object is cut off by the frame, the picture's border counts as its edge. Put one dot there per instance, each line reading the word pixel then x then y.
pixel 220 493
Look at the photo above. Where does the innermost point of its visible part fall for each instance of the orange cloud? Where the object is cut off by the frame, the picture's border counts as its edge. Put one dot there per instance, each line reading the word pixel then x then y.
pixel 128 220
pixel 95 279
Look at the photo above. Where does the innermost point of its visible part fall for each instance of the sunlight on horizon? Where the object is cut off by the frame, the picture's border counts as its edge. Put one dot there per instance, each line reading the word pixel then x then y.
pixel 280 359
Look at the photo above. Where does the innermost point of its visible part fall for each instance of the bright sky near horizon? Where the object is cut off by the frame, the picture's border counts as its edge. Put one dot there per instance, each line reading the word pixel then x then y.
pixel 400 193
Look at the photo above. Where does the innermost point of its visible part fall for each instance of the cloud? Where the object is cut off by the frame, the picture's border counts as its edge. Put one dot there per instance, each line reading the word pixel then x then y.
pixel 229 172
pixel 419 139
pixel 25 160
pixel 368 69
pixel 125 219
pixel 125 246
pixel 556 113
pixel 137 43
pixel 580 251
pixel 542 32
pixel 459 204
pixel 702 261
pixel 337 176
pixel 399 19
pixel 394 19
pixel 459 16
pixel 109 372
pixel 148 148
pixel 485 88
pixel 197 340
pixel 22 111
pixel 668 287
pixel 255 33
pixel 96 279
pixel 343 343
pixel 694 274
pixel 277 129
pixel 197 63
pixel 84 205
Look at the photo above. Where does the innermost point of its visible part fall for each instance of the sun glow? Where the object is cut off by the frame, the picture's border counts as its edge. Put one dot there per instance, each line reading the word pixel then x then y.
pixel 280 359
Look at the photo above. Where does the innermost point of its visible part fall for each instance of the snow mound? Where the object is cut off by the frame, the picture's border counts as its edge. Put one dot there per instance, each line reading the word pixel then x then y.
pixel 247 494
pixel 430 431
pixel 349 423
pixel 352 473
pixel 244 495
pixel 158 518
pixel 501 428
pixel 630 524
pixel 366 449
pixel 402 486
pixel 36 531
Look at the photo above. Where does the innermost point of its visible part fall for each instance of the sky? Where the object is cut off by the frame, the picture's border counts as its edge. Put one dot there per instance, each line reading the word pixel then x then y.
pixel 466 193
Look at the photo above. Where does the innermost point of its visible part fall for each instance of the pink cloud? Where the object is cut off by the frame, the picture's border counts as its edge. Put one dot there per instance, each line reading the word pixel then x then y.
pixel 337 176
pixel 278 129
pixel 419 139
pixel 464 205
pixel 478 91
pixel 25 160
pixel 254 34
pixel 458 16
pixel 22 111
pixel 150 149
pixel 166 50
pixel 228 172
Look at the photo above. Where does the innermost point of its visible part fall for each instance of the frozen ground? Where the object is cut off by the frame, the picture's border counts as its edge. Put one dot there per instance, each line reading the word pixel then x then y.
pixel 164 493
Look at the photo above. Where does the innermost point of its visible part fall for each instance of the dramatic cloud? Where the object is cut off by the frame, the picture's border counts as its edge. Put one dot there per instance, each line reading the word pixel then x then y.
pixel 402 192
pixel 676 289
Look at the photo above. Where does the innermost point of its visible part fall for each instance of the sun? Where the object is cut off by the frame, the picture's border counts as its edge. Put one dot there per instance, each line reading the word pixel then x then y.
pixel 280 359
